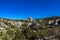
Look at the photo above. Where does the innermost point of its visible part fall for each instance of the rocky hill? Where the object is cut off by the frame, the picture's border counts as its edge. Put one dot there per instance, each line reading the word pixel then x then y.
pixel 7 23
pixel 30 29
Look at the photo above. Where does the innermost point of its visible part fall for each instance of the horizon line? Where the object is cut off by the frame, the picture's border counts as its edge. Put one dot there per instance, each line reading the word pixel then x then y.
pixel 27 17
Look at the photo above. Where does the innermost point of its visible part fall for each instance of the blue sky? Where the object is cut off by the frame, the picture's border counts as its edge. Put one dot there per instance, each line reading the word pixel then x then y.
pixel 21 9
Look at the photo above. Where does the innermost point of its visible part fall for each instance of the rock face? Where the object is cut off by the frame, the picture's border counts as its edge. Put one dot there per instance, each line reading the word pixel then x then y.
pixel 5 23
pixel 30 19
pixel 54 23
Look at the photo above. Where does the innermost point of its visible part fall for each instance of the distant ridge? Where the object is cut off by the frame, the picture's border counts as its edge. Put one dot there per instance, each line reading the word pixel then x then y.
pixel 52 17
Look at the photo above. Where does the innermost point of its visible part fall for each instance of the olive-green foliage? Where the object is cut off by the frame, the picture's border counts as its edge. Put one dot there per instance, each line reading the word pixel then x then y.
pixel 58 36
pixel 28 33
pixel 48 32
pixel 19 35
pixel 25 33
pixel 38 27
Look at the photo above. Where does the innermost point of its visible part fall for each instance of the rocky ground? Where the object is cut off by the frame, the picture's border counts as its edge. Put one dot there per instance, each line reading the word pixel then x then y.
pixel 30 29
